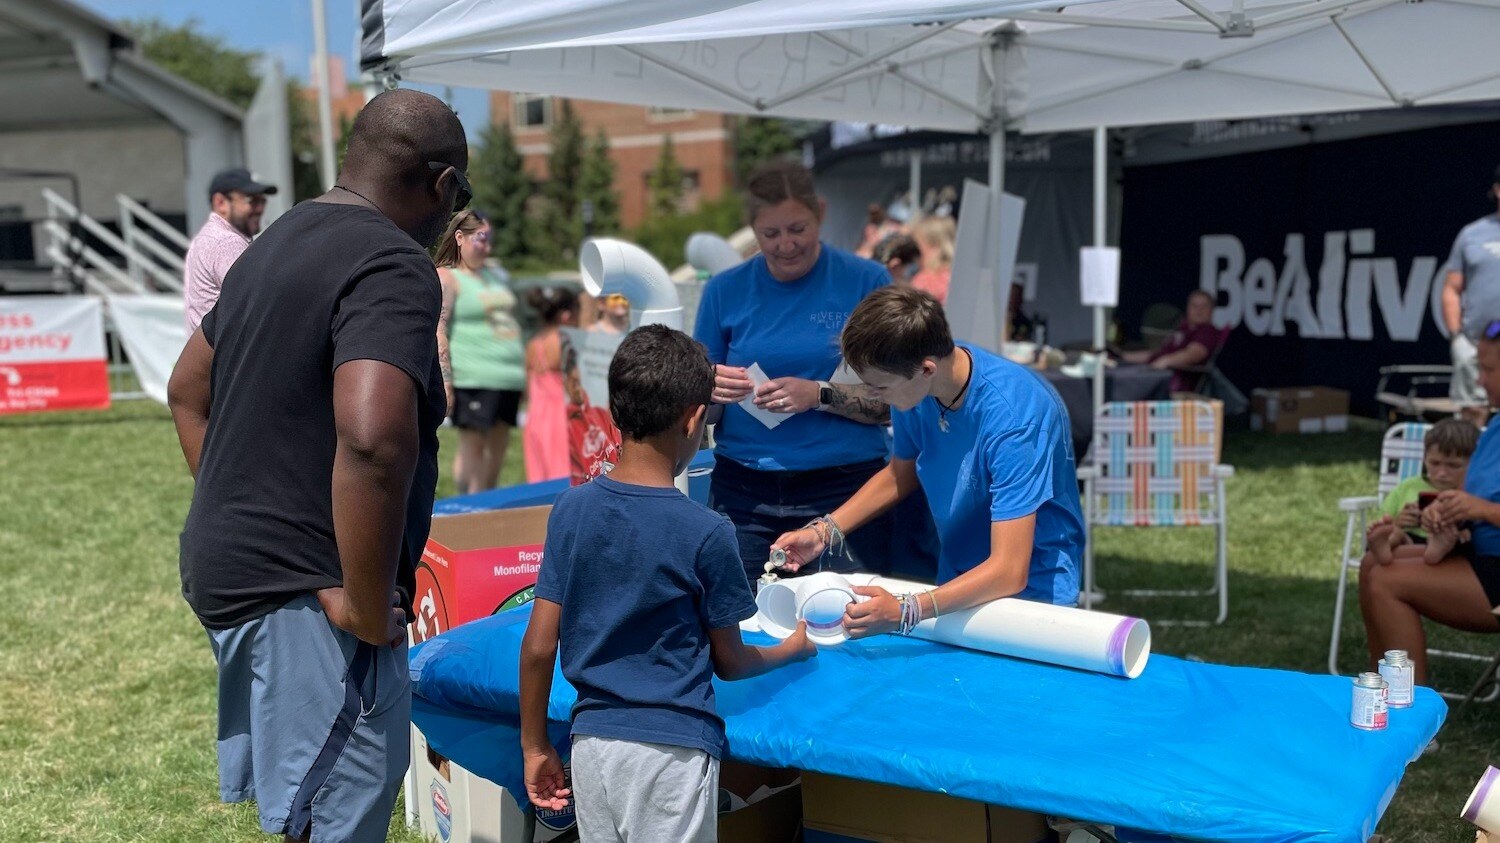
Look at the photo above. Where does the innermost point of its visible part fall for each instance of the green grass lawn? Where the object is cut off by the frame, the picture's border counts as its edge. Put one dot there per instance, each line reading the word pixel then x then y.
pixel 107 698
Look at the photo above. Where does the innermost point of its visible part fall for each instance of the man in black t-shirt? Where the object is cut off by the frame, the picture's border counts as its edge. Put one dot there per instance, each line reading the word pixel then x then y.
pixel 307 405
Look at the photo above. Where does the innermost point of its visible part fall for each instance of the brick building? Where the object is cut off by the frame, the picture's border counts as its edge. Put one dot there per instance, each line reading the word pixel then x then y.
pixel 703 142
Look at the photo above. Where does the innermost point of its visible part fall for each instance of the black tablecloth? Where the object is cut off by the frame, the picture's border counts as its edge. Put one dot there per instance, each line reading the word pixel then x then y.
pixel 1121 383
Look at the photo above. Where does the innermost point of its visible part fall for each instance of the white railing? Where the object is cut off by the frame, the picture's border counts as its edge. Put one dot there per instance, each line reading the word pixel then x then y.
pixel 136 224
pixel 149 267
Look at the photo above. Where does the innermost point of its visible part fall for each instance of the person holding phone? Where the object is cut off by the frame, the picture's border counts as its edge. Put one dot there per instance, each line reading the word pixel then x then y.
pixel 1446 450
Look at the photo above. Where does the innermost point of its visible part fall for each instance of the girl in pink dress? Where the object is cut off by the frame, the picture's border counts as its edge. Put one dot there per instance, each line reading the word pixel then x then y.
pixel 546 434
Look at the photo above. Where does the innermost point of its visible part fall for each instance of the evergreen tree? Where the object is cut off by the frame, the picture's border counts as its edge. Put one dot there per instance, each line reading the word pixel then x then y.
pixel 758 141
pixel 561 222
pixel 597 187
pixel 501 190
pixel 665 182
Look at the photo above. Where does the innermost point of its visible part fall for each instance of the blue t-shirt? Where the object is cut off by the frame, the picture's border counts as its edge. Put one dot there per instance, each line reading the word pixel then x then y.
pixel 1483 481
pixel 642 575
pixel 1007 454
pixel 791 328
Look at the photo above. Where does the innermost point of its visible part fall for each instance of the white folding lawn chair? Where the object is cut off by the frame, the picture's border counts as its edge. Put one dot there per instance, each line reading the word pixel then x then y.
pixel 1156 464
pixel 1400 459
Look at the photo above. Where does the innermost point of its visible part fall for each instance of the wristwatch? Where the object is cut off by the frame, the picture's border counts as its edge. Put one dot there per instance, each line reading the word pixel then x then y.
pixel 825 394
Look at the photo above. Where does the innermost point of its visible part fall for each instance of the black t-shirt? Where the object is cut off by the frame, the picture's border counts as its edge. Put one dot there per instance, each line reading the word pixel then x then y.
pixel 325 285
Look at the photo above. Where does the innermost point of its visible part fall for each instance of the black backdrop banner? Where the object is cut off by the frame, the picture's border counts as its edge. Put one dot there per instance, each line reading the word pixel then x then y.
pixel 1326 259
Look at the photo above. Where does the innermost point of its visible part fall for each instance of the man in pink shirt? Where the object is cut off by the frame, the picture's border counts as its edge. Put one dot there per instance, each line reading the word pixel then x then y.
pixel 238 201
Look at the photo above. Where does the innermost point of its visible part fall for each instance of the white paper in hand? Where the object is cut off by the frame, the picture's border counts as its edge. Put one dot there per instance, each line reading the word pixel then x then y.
pixel 762 415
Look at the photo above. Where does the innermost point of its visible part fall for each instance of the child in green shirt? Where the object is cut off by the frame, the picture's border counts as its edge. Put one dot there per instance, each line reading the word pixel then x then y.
pixel 1446 450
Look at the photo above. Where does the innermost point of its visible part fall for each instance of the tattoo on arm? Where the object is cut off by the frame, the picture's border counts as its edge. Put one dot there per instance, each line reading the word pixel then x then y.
pixel 849 404
pixel 445 360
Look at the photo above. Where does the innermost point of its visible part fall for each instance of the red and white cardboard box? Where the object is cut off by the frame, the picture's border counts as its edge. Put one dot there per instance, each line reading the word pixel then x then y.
pixel 476 565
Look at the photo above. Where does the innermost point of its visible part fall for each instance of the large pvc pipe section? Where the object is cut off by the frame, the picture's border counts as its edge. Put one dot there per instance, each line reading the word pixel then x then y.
pixel 1040 632
pixel 711 253
pixel 1483 807
pixel 615 266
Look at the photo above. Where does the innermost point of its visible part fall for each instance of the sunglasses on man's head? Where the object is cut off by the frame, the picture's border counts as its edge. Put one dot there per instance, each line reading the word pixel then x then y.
pixel 465 190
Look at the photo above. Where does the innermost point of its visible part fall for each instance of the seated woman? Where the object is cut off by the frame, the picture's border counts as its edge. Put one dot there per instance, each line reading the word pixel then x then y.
pixel 1462 589
pixel 1191 345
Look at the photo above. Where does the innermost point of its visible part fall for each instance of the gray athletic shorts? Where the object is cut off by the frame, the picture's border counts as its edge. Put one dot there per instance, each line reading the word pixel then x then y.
pixel 314 724
pixel 1464 389
pixel 634 792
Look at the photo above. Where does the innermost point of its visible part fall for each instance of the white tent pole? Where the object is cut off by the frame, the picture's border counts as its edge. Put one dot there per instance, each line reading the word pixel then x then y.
pixel 1101 197
pixel 998 106
pixel 325 108
pixel 914 189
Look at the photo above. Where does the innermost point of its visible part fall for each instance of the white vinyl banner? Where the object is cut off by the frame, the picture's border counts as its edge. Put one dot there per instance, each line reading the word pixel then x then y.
pixel 52 354
pixel 153 333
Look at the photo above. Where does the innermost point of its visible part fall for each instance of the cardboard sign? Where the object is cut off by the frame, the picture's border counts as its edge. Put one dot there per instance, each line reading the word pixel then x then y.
pixel 52 354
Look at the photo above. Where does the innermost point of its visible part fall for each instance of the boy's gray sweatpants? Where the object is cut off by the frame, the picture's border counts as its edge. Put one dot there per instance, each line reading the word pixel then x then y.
pixel 635 792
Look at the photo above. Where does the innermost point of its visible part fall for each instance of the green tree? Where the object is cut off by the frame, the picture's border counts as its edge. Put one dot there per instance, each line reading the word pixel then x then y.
pixel 596 186
pixel 501 190
pixel 205 60
pixel 760 140
pixel 665 182
pixel 560 220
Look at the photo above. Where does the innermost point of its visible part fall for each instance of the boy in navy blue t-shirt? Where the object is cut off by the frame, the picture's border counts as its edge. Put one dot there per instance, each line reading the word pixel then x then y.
pixel 643 589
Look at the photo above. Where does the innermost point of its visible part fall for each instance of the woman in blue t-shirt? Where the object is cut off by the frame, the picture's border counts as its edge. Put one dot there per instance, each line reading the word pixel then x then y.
pixel 1463 589
pixel 778 316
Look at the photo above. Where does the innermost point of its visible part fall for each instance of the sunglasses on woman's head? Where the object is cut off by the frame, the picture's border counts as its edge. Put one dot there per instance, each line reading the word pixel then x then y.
pixel 1492 330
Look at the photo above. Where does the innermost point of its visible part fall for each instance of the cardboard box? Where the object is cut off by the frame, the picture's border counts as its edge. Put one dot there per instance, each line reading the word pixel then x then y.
pixel 1304 409
pixel 456 806
pixel 775 818
pixel 475 565
pixel 838 810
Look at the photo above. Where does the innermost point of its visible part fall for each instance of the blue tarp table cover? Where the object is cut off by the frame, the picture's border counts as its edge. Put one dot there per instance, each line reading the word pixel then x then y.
pixel 1197 751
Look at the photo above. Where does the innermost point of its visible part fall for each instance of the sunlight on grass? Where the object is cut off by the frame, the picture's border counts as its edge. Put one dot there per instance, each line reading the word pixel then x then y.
pixel 107 708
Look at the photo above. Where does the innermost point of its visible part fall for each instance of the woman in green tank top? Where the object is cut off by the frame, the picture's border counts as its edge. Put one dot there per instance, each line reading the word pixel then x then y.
pixel 484 343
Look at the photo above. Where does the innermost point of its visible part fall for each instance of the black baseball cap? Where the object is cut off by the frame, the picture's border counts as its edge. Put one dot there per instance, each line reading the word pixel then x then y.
pixel 239 179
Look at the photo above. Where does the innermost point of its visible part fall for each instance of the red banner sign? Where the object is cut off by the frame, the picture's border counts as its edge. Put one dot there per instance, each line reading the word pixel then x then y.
pixel 52 354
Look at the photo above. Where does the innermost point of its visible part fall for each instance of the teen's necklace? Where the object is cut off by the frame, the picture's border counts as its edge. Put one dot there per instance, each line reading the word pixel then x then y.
pixel 944 409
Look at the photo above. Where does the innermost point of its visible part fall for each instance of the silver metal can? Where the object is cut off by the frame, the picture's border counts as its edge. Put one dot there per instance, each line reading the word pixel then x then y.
pixel 1399 674
pixel 1368 711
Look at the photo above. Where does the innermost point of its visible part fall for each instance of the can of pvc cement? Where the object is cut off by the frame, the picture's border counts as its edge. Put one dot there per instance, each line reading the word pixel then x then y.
pixel 1368 712
pixel 1397 671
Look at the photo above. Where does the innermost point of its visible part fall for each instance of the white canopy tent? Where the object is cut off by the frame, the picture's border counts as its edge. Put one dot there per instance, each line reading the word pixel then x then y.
pixel 981 65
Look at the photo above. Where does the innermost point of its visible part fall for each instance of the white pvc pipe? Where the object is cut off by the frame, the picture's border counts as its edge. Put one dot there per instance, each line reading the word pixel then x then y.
pixel 708 252
pixel 1040 632
pixel 615 266
pixel 1483 807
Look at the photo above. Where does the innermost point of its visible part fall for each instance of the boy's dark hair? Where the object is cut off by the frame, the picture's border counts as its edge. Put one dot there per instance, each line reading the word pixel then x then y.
pixel 657 375
pixel 894 329
pixel 1452 438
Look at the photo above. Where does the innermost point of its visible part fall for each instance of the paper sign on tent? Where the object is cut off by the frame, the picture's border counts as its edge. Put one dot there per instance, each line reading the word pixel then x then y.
pixel 1099 272
pixel 762 415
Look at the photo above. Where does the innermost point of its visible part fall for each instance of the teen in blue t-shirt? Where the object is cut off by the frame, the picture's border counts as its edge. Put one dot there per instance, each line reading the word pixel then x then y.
pixel 989 443
pixel 643 591
pixel 783 310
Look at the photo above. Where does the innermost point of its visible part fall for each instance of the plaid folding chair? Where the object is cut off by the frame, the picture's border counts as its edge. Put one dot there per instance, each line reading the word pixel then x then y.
pixel 1400 459
pixel 1156 464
